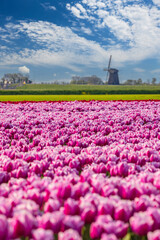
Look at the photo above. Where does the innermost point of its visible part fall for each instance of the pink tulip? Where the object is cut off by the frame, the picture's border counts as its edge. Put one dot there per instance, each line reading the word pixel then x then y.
pixel 52 221
pixel 141 223
pixel 118 228
pixel 88 214
pixel 41 234
pixel 71 207
pixel 69 234
pixel 52 205
pixel 4 228
pixel 154 235
pixel 23 223
pixel 73 222
pixel 108 237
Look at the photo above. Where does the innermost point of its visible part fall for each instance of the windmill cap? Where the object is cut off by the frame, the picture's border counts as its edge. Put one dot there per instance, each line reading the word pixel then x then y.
pixel 113 70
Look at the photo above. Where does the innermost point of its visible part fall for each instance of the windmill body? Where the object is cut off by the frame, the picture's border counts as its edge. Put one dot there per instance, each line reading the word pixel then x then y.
pixel 112 75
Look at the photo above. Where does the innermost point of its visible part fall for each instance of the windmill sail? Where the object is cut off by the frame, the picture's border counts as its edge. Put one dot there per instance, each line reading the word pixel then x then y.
pixel 109 63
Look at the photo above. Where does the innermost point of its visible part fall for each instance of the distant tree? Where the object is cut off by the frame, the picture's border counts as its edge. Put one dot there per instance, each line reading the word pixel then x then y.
pixel 148 81
pixel 56 82
pixel 93 80
pixel 129 82
pixel 133 82
pixel 154 81
pixel 75 80
pixel 139 81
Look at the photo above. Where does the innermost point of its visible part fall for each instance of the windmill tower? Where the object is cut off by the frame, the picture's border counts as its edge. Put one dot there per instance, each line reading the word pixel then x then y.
pixel 112 74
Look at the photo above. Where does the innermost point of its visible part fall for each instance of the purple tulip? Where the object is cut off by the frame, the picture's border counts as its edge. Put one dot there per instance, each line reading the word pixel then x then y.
pixel 5 207
pixel 73 222
pixel 123 211
pixel 141 223
pixel 22 172
pixel 96 229
pixel 108 237
pixel 155 214
pixel 122 169
pixel 69 234
pixel 4 228
pixel 52 205
pixel 80 189
pixel 4 177
pixel 154 235
pixel 64 191
pixel 26 205
pixel 41 234
pixel 129 191
pixel 157 180
pixel 71 207
pixel 52 221
pixel 88 214
pixel 23 223
pixel 106 207
pixel 34 195
pixel 118 228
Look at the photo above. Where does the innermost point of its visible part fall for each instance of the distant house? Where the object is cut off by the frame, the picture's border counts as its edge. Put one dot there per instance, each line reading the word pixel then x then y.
pixel 10 79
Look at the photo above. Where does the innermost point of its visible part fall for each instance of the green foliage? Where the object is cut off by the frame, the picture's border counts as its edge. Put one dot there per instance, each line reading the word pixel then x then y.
pixel 16 98
pixel 85 232
pixel 73 89
pixel 132 236
pixel 108 174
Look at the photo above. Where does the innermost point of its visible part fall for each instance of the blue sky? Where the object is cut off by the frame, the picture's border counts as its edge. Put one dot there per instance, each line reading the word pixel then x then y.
pixel 54 40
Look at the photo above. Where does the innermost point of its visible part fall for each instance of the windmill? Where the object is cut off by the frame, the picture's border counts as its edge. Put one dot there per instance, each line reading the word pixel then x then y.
pixel 112 74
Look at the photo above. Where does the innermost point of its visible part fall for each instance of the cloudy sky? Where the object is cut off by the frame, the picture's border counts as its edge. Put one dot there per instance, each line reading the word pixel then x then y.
pixel 55 39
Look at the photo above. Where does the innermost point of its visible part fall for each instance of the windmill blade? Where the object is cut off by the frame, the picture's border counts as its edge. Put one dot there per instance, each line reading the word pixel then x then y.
pixel 107 76
pixel 109 64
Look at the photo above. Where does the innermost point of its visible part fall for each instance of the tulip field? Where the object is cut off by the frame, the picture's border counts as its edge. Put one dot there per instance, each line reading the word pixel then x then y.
pixel 80 170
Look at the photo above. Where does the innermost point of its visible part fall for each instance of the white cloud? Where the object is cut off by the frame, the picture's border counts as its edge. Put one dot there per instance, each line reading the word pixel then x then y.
pixel 135 26
pixel 46 6
pixel 3 47
pixel 78 10
pixel 81 8
pixel 52 8
pixel 120 28
pixel 134 35
pixel 8 18
pixel 24 70
pixel 55 46
pixel 86 30
pixel 156 2
pixel 156 70
pixel 140 70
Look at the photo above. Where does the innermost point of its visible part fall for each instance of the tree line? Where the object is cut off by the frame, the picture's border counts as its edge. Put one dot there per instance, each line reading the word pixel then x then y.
pixel 94 80
pixel 140 82
pixel 13 79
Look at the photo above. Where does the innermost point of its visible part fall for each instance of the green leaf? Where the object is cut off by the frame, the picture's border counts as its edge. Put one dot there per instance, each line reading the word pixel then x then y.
pixel 108 174
pixel 85 232
pixel 127 237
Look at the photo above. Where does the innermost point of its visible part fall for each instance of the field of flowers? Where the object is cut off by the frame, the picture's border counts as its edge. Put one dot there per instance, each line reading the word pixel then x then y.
pixel 80 170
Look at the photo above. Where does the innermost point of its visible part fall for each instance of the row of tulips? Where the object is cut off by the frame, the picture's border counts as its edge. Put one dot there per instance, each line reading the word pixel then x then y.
pixel 80 170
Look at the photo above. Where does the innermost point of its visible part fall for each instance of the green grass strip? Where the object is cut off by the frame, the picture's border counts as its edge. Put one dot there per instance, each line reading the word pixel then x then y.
pixel 78 97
